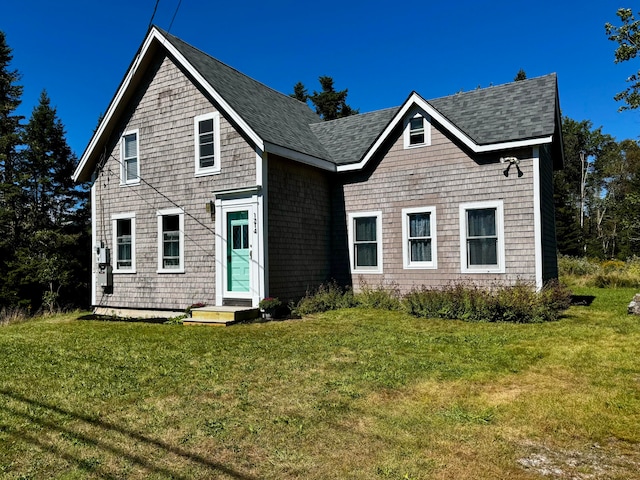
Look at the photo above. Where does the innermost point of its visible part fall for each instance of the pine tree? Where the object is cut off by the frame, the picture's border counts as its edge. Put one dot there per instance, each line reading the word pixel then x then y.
pixel 300 92
pixel 54 219
pixel 10 139
pixel 331 104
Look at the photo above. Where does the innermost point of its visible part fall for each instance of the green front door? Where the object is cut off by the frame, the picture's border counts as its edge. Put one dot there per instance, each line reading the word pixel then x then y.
pixel 238 251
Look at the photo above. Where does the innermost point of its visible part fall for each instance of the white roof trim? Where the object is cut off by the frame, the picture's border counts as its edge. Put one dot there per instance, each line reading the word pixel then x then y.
pixel 299 157
pixel 415 99
pixel 154 35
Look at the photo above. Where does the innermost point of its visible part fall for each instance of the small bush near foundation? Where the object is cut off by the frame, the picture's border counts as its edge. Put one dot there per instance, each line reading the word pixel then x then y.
pixel 519 303
pixel 329 296
pixel 383 297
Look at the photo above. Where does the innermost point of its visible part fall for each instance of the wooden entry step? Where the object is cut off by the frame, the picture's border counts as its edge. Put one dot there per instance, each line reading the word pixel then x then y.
pixel 225 315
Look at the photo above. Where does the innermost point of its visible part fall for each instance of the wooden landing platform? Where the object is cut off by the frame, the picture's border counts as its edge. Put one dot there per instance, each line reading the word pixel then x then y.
pixel 221 316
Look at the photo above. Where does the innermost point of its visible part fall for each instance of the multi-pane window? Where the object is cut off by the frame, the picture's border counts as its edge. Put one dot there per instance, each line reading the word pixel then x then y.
pixel 130 169
pixel 124 226
pixel 482 237
pixel 207 143
pixel 419 237
pixel 206 154
pixel 417 129
pixel 171 241
pixel 366 245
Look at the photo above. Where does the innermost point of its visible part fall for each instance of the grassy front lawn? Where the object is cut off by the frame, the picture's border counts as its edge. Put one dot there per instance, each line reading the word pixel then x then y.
pixel 348 394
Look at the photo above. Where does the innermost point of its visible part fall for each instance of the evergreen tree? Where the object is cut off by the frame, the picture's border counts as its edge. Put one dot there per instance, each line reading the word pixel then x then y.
pixel 46 268
pixel 331 104
pixel 300 92
pixel 10 139
pixel 521 75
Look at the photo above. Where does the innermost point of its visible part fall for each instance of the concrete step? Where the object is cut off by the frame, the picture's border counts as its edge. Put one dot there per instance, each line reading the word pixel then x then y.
pixel 211 315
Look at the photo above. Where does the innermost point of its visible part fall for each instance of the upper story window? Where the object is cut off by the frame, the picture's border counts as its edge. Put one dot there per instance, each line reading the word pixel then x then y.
pixel 207 143
pixel 365 240
pixel 171 240
pixel 124 235
pixel 482 237
pixel 417 130
pixel 130 165
pixel 419 237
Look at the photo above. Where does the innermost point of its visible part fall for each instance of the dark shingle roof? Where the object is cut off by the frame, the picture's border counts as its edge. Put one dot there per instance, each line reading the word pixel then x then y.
pixel 275 117
pixel 347 139
pixel 514 111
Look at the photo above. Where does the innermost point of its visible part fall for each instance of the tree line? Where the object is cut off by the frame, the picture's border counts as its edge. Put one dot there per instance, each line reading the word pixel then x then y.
pixel 44 218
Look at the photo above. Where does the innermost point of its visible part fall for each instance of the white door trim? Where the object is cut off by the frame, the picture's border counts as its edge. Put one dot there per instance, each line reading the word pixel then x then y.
pixel 223 207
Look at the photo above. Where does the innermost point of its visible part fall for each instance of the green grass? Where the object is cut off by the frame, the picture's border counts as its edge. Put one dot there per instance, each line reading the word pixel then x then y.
pixel 352 393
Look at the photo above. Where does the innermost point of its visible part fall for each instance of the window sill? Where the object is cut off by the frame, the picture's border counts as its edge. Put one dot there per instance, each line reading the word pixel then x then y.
pixel 125 272
pixel 206 173
pixel 175 270
pixel 482 270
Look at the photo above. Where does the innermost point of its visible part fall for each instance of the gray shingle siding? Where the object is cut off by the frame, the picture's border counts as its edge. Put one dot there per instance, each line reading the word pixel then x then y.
pixel 299 201
pixel 164 113
pixel 443 176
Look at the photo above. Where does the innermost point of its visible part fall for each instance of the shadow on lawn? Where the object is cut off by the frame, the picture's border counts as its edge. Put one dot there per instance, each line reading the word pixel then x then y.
pixel 87 465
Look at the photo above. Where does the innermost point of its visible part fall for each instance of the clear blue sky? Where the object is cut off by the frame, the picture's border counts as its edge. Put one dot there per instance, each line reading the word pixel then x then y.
pixel 381 51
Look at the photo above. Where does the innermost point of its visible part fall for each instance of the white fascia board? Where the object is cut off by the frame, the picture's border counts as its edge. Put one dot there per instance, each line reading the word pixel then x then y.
pixel 155 35
pixel 416 99
pixel 299 157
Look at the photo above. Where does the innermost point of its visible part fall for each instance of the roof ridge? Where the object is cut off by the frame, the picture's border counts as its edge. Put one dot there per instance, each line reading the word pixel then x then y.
pixel 501 85
pixel 229 66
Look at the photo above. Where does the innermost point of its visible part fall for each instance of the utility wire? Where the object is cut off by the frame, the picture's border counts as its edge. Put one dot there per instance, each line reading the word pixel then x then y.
pixel 174 16
pixel 153 15
pixel 175 204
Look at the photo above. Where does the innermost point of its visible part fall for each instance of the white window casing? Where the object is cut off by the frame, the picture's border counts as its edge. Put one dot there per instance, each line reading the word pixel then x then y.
pixel 124 242
pixel 130 158
pixel 419 238
pixel 417 129
pixel 365 242
pixel 482 237
pixel 171 240
pixel 206 134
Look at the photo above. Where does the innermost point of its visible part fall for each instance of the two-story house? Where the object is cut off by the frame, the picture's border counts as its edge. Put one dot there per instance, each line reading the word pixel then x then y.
pixel 210 187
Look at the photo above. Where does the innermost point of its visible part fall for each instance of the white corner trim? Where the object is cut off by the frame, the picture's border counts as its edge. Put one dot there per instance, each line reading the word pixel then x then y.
pixel 537 217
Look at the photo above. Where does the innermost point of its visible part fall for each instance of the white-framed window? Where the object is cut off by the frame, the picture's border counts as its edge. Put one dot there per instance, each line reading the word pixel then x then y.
pixel 206 133
pixel 130 158
pixel 171 240
pixel 365 242
pixel 419 242
pixel 417 130
pixel 124 242
pixel 482 237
